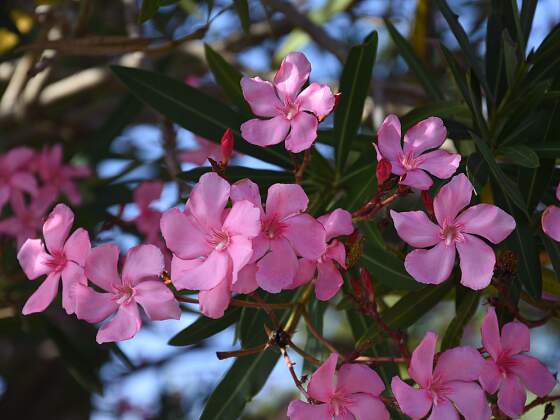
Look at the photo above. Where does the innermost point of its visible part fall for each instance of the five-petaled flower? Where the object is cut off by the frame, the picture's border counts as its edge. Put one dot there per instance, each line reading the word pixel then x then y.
pixel 551 219
pixel 292 115
pixel 353 393
pixel 454 233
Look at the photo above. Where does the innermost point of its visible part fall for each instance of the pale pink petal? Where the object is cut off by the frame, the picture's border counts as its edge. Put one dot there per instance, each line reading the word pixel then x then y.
pixel 92 306
pixel 299 410
pixel 240 250
pixel 490 332
pixel 243 219
pixel 417 178
pixel 284 200
pixel 4 195
pixel 490 376
pixel 72 275
pixel 261 245
pixel 292 75
pixel 511 397
pixel 246 189
pixel 208 199
pixel 413 402
pixel 452 198
pixel 305 272
pixel 337 252
pixel 459 364
pixel 204 276
pixel 516 338
pixel 183 236
pixel 421 363
pixel 365 407
pixel 17 157
pixel 277 268
pixel 534 375
pixel 57 227
pixel 101 266
pixel 25 182
pixel 303 132
pixel 147 192
pixel 261 96
pixel 477 261
pixel 33 258
pixel 197 157
pixel 157 300
pixel 551 222
pixel 427 134
pixel 354 377
pixel 265 132
pixel 78 246
pixel 439 163
pixel 389 139
pixel 337 223
pixel 416 229
pixel 143 262
pixel 321 385
pixel 246 280
pixel 329 280
pixel 432 266
pixel 43 296
pixel 180 269
pixel 123 326
pixel 488 221
pixel 214 302
pixel 316 98
pixel 444 410
pixel 306 235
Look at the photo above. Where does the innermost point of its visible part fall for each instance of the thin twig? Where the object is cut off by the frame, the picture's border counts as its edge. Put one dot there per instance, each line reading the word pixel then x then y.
pixel 242 303
pixel 316 333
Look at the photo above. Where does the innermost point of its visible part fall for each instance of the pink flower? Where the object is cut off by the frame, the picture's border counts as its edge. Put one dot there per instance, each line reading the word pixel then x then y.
pixel 14 174
pixel 65 259
pixel 448 388
pixel 551 219
pixel 206 149
pixel 509 371
pixel 329 280
pixel 352 394
pixel 454 232
pixel 210 243
pixel 293 116
pixel 138 285
pixel 147 221
pixel 411 164
pixel 287 232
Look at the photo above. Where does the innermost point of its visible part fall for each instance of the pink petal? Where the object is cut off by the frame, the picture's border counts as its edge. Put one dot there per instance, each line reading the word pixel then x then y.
pixel 43 296
pixel 204 276
pixel 93 306
pixel 459 364
pixel 432 266
pixel 261 96
pixel 25 182
pixel 246 189
pixel 337 252
pixel 551 222
pixel 337 223
pixel 305 272
pixel 303 132
pixel 261 245
pixel 183 235
pixel 246 280
pixel 292 75
pixel 208 199
pixel 416 229
pixel 516 337
pixel 444 410
pixel 72 275
pixel 265 132
pixel 421 363
pixel 427 134
pixel 364 406
pixel 214 302
pixel 321 385
pixel 490 376
pixel 318 99
pixel 284 200
pixel 57 227
pixel 123 326
pixel 389 139
pixel 33 258
pixel 490 332
pixel 4 195
pixel 439 163
pixel 197 157
pixel 477 261
pixel 558 191
pixel 277 268
pixel 452 198
pixel 354 377
pixel 488 221
pixel 310 245
pixel 157 300
pixel 511 397
pixel 78 246
pixel 329 281
pixel 240 250
pixel 417 178
pixel 413 402
pixel 180 270
pixel 299 410
pixel 101 266
pixel 147 192
pixel 17 157
pixel 243 219
pixel 143 263
pixel 534 375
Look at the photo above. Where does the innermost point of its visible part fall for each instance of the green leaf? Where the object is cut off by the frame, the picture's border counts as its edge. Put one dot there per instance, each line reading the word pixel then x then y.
pixel 464 312
pixel 477 171
pixel 316 310
pixel 263 177
pixel 520 155
pixel 204 327
pixel 511 60
pixel 242 9
pixel 553 251
pixel 149 9
pixel 551 150
pixel 354 83
pixel 194 110
pixel 359 183
pixel 528 8
pixel 444 109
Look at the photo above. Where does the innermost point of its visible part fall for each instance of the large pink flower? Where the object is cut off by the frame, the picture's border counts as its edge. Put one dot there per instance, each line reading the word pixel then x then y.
pixel 448 388
pixel 65 258
pixel 14 174
pixel 551 219
pixel 412 163
pixel 509 371
pixel 138 285
pixel 292 115
pixel 287 232
pixel 210 243
pixel 148 218
pixel 454 232
pixel 352 394
pixel 329 280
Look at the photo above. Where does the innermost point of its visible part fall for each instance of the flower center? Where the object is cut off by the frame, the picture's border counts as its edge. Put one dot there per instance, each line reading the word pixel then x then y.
pixel 290 110
pixel 337 405
pixel 219 240
pixel 451 233
pixel 438 390
pixel 273 228
pixel 57 261
pixel 408 161
pixel 124 294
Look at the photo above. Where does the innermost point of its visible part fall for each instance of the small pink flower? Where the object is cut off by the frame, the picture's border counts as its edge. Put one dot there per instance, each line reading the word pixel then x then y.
pixel 411 163
pixel 287 232
pixel 148 218
pixel 15 175
pixel 509 371
pixel 65 258
pixel 454 233
pixel 448 388
pixel 293 116
pixel 353 393
pixel 551 219
pixel 206 149
pixel 329 280
pixel 139 284
pixel 210 243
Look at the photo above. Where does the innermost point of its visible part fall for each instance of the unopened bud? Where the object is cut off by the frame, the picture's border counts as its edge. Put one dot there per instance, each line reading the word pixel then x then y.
pixel 383 171
pixel 367 283
pixel 428 202
pixel 357 287
pixel 226 144
pixel 337 97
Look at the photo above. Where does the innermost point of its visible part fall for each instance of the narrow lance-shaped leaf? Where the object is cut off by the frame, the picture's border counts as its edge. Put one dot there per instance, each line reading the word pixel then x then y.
pixel 205 327
pixel 463 314
pixel 242 9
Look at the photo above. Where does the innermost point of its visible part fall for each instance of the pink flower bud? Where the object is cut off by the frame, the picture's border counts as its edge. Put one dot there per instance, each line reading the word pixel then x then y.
pixel 383 171
pixel 428 202
pixel 227 143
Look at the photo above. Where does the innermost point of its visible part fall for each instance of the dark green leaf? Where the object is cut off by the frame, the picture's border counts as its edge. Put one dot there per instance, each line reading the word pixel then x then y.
pixel 149 9
pixel 528 8
pixel 316 310
pixel 359 182
pixel 242 9
pixel 553 251
pixel 263 177
pixel 511 60
pixel 437 109
pixel 520 155
pixel 477 171
pixel 204 327
pixel 464 312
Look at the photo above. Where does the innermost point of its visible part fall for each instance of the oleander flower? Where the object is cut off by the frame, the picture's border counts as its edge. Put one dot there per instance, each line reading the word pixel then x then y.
pixel 148 218
pixel 15 175
pixel 550 220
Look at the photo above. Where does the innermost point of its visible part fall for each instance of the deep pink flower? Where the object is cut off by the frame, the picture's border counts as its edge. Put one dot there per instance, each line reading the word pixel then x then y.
pixel 148 218
pixel 65 259
pixel 15 175
pixel 551 219
pixel 292 115
pixel 509 371
pixel 287 232
pixel 139 284
pixel 412 163
pixel 454 232
pixel 352 394
pixel 210 243
pixel 329 280
pixel 448 388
